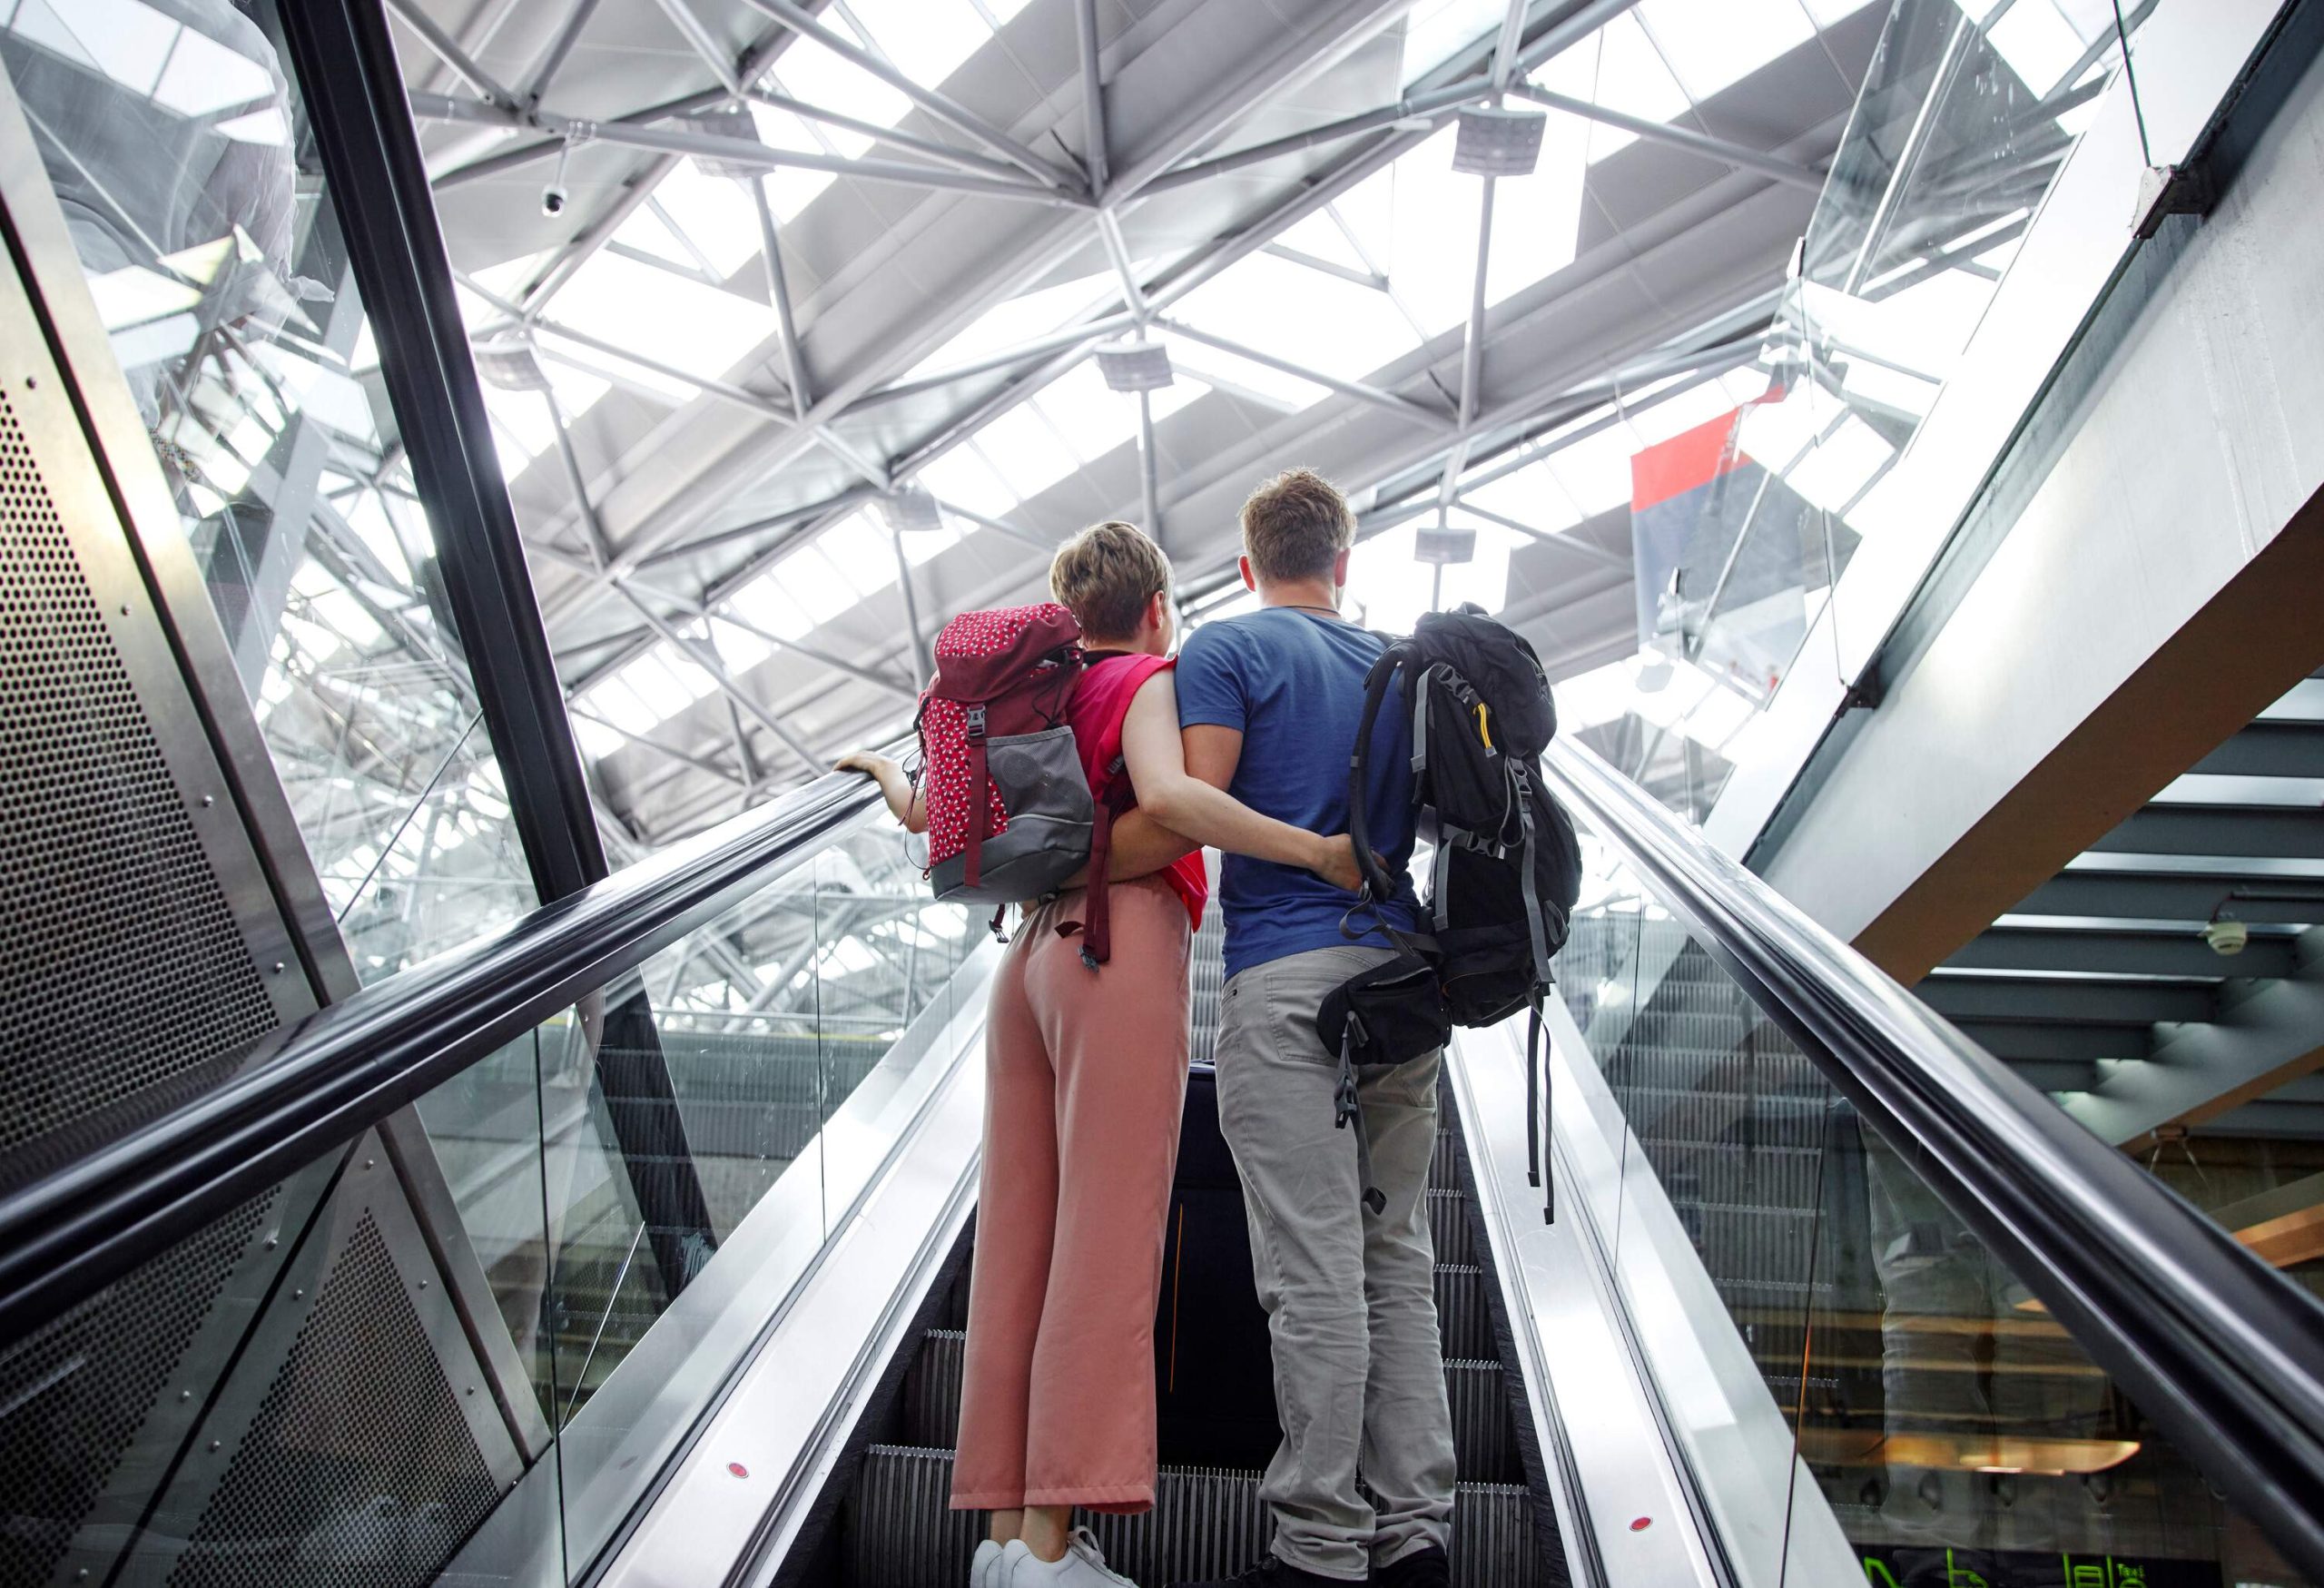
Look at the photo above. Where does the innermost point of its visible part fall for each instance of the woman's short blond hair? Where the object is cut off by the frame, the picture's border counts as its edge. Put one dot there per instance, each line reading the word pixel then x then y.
pixel 1106 574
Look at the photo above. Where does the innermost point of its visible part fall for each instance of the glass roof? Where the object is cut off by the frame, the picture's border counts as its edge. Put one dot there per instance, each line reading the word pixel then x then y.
pixel 1352 293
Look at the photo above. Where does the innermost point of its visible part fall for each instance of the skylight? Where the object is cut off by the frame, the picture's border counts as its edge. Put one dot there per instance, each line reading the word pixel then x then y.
pixel 927 40
pixel 1391 590
pixel 1712 47
pixel 1320 237
pixel 687 324
pixel 1092 419
pixel 149 53
pixel 1025 451
pixel 1532 497
pixel 1617 68
pixel 766 604
pixel 1021 318
pixel 787 189
pixel 962 478
pixel 1595 471
pixel 829 81
pixel 716 215
pixel 1301 315
pixel 1437 29
pixel 1244 378
pixel 2040 45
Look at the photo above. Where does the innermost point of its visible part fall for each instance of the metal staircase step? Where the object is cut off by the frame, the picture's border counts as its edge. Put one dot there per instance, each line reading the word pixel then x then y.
pixel 1483 1441
pixel 1463 1313
pixel 1448 1228
pixel 1206 1523
pixel 1445 1168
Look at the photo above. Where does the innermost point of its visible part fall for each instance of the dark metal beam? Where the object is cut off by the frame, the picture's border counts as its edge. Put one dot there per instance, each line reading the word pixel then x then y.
pixel 2055 1075
pixel 2176 896
pixel 2027 1041
pixel 2269 749
pixel 371 156
pixel 2129 953
pixel 2094 1002
pixel 345 60
pixel 2256 1045
pixel 2290 832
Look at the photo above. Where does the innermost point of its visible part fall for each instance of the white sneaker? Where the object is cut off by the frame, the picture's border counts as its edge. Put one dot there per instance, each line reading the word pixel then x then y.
pixel 984 1570
pixel 1083 1566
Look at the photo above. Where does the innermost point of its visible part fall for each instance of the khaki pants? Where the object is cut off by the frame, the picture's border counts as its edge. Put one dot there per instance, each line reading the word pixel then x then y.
pixel 1359 1365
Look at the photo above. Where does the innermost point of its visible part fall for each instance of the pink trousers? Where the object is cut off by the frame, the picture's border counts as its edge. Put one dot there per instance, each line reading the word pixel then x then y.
pixel 1086 1075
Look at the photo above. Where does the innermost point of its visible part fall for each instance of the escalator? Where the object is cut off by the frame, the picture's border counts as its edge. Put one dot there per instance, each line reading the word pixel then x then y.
pixel 1213 1395
pixel 1830 1295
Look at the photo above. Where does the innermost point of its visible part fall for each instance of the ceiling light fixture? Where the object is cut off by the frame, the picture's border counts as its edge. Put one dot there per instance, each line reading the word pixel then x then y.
pixel 911 510
pixel 1493 142
pixel 511 364
pixel 1134 366
pixel 733 124
pixel 1442 544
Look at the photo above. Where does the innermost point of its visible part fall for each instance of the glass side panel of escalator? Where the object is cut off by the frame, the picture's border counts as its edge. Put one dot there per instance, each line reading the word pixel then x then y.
pixel 1800 1290
pixel 709 1122
pixel 175 135
pixel 471 1332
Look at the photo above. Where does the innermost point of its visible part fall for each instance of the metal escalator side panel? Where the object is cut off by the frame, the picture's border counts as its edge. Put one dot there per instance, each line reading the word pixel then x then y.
pixel 1592 1412
pixel 1734 1441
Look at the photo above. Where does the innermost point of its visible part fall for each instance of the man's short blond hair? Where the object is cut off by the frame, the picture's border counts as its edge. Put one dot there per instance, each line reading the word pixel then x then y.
pixel 1106 574
pixel 1295 525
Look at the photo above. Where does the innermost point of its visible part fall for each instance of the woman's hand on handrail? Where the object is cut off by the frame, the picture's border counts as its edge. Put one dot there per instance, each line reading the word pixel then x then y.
pixel 904 800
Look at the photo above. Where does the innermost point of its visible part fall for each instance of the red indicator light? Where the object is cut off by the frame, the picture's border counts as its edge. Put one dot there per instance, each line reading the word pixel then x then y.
pixel 738 1469
pixel 1641 1523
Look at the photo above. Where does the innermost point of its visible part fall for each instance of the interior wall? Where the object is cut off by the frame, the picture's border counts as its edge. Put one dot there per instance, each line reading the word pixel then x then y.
pixel 2163 581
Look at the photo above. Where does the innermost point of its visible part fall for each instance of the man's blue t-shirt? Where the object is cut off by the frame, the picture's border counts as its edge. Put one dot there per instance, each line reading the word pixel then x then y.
pixel 1292 682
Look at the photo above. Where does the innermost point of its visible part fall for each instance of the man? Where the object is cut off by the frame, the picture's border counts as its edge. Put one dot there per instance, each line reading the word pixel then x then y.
pixel 1269 704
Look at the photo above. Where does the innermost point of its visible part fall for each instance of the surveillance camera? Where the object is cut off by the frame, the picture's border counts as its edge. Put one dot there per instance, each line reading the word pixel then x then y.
pixel 553 198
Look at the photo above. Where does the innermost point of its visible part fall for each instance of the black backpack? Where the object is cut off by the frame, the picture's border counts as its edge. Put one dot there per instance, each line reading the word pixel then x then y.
pixel 1507 868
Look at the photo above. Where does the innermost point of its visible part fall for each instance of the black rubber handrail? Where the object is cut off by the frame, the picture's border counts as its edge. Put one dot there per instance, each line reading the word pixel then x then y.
pixel 315 1085
pixel 2225 1354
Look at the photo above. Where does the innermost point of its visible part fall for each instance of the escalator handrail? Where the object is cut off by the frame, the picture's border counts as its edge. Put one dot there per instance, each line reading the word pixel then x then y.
pixel 2222 1353
pixel 295 1094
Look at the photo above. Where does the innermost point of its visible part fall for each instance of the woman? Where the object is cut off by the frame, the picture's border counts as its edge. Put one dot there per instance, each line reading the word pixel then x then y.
pixel 1086 1075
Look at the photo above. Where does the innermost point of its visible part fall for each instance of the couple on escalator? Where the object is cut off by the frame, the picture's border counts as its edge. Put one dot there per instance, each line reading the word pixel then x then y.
pixel 1242 744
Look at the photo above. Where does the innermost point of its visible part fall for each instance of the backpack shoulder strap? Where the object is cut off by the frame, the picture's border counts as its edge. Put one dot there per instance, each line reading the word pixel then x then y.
pixel 1359 826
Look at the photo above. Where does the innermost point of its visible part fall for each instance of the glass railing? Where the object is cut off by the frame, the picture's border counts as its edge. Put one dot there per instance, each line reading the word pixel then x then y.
pixel 175 139
pixel 486 1332
pixel 1865 1390
pixel 1967 116
pixel 1977 211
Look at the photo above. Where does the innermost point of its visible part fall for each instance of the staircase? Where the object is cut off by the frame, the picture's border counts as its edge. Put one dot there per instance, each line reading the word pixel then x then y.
pixel 1773 1181
pixel 896 1530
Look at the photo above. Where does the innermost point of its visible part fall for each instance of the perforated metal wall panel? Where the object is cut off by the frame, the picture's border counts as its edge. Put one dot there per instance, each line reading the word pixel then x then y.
pixel 124 965
pixel 74 1395
pixel 358 1468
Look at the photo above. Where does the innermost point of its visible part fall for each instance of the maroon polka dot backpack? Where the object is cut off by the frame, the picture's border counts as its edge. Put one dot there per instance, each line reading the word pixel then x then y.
pixel 1009 812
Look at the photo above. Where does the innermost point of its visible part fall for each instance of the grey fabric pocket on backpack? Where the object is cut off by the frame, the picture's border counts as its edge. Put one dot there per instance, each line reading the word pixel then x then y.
pixel 1051 817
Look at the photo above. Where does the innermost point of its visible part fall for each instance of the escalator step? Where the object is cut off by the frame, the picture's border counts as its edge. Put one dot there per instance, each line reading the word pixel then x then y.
pixel 1448 1228
pixel 930 1411
pixel 1482 1442
pixel 1206 1523
pixel 1444 1169
pixel 1461 1312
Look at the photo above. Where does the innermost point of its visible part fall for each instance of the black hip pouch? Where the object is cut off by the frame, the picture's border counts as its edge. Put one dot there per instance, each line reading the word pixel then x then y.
pixel 1391 1014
